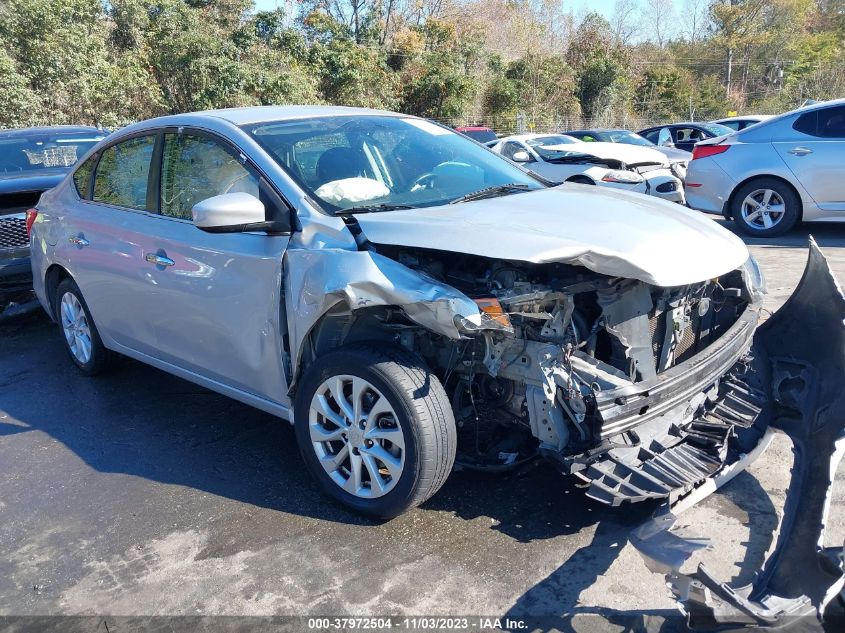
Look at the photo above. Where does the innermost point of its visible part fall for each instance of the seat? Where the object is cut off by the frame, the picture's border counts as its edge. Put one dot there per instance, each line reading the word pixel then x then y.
pixel 338 163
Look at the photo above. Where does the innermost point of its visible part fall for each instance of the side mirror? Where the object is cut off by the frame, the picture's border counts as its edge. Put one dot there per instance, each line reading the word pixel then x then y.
pixel 233 213
pixel 521 157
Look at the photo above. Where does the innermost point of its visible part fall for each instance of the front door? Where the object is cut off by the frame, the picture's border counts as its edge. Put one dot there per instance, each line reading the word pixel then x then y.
pixel 217 311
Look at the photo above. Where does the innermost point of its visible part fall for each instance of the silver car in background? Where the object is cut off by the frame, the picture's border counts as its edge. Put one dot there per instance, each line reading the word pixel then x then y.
pixel 770 176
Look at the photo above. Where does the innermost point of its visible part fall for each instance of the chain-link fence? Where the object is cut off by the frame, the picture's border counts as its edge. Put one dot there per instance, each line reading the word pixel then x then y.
pixel 522 123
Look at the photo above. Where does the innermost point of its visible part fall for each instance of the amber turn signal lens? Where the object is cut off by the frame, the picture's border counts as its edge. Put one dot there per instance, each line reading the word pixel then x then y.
pixel 493 309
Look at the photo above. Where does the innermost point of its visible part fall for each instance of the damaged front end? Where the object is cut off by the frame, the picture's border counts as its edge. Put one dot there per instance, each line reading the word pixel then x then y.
pixel 629 385
pixel 796 372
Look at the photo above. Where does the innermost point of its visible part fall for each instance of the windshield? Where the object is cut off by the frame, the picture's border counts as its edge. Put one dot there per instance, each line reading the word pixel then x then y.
pixel 716 129
pixel 380 162
pixel 626 137
pixel 549 147
pixel 44 149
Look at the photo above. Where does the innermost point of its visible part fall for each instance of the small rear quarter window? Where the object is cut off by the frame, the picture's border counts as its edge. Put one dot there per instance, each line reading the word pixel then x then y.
pixel 82 178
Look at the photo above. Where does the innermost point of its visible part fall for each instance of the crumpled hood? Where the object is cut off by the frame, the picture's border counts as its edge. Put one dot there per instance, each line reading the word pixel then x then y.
pixel 611 232
pixel 628 154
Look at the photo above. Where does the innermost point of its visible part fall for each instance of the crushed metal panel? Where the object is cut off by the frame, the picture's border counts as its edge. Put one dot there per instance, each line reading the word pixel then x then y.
pixel 319 279
pixel 799 355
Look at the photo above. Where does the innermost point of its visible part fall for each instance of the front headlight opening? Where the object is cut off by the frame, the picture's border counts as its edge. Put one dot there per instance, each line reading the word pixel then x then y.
pixel 624 177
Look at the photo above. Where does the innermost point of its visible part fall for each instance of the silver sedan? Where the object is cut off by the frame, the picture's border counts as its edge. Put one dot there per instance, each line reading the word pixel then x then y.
pixel 408 299
pixel 770 176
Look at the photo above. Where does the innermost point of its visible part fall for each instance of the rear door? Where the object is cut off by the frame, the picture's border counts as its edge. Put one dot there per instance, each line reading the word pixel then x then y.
pixel 814 150
pixel 103 241
pixel 218 306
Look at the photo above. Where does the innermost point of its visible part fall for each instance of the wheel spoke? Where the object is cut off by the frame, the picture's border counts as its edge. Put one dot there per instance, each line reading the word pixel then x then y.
pixel 767 221
pixel 376 480
pixel 336 389
pixel 767 197
pixel 753 216
pixel 84 344
pixel 396 437
pixel 323 408
pixel 319 433
pixel 393 464
pixel 353 484
pixel 381 407
pixel 359 388
pixel 332 462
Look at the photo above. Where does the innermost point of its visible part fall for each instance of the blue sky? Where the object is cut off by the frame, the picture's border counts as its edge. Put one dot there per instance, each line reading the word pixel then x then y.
pixel 579 7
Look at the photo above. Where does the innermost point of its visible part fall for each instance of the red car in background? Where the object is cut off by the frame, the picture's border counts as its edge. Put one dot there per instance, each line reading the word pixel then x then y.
pixel 476 133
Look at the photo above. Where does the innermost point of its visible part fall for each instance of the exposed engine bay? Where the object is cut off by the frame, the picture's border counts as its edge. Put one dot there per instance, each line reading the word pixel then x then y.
pixel 575 365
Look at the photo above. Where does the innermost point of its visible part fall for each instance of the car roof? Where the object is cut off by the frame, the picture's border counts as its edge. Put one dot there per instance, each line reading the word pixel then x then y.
pixel 598 129
pixel 473 128
pixel 259 114
pixel 529 136
pixel 49 129
pixel 746 117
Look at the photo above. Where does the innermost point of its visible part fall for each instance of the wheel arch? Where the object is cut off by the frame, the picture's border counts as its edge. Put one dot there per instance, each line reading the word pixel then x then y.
pixel 342 325
pixel 56 274
pixel 728 211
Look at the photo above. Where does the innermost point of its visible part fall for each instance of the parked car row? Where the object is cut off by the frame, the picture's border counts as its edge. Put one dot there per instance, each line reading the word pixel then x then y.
pixel 765 172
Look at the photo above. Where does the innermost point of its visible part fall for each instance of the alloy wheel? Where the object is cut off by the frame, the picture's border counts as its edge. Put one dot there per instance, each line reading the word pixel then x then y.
pixel 75 327
pixel 763 209
pixel 356 436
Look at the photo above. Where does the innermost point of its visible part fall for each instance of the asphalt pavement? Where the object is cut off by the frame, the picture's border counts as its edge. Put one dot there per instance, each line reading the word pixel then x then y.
pixel 138 493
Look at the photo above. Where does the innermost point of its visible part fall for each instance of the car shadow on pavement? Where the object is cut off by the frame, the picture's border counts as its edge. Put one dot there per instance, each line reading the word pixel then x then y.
pixel 143 422
pixel 826 234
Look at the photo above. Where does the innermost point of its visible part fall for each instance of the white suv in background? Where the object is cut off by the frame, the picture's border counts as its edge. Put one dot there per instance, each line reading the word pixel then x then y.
pixel 774 174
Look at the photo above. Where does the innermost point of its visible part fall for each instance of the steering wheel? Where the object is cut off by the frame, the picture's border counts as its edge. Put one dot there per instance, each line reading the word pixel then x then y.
pixel 426 181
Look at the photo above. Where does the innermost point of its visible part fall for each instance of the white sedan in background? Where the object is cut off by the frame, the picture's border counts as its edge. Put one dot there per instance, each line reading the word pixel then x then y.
pixel 562 158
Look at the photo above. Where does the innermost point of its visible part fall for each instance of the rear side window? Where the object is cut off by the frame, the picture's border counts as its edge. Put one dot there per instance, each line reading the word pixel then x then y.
pixel 196 167
pixel 123 173
pixel 831 123
pixel 82 178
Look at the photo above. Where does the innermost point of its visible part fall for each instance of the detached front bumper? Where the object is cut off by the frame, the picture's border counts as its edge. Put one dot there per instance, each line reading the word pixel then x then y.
pixel 797 372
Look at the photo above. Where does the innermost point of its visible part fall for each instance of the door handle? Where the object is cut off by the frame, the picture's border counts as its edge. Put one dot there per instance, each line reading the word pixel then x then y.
pixel 800 151
pixel 78 241
pixel 158 260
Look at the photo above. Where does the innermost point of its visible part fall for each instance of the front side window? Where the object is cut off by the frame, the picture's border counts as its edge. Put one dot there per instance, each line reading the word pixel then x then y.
pixel 351 161
pixel 194 168
pixel 510 148
pixel 123 173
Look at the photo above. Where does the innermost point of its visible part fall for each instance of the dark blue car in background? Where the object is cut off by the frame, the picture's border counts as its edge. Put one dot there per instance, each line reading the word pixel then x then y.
pixel 32 160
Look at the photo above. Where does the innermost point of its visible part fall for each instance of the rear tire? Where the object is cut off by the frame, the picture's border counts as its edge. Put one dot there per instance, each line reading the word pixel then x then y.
pixel 79 333
pixel 765 207
pixel 375 428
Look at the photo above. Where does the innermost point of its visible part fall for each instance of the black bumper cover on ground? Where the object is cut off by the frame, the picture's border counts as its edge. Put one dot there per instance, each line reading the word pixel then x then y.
pixel 798 367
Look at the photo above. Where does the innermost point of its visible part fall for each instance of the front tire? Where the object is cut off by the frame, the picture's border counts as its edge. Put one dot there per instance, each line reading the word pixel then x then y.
pixel 375 428
pixel 765 207
pixel 79 333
